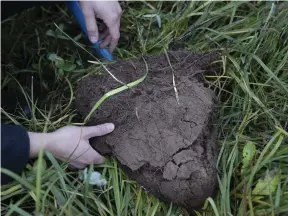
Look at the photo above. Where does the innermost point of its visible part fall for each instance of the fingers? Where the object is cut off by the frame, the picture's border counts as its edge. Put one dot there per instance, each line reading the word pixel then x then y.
pixel 103 34
pixel 91 24
pixel 92 157
pixel 101 26
pixel 113 24
pixel 74 166
pixel 89 157
pixel 98 130
pixel 96 158
pixel 109 35
pixel 115 35
pixel 112 38
pixel 110 12
pixel 106 42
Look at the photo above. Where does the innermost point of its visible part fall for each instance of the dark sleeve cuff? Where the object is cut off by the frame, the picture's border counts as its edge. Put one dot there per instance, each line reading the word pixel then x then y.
pixel 15 148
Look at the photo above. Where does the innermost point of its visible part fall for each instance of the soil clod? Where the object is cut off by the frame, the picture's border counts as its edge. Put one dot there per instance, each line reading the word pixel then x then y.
pixel 167 147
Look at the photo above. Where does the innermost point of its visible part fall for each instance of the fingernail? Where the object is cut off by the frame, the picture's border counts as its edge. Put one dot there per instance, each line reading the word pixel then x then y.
pixel 93 39
pixel 110 127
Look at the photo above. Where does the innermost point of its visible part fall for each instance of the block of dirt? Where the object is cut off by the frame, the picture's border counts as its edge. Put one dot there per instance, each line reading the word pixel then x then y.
pixel 166 144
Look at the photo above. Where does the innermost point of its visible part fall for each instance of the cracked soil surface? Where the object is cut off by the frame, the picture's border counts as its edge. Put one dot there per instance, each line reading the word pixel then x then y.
pixel 168 148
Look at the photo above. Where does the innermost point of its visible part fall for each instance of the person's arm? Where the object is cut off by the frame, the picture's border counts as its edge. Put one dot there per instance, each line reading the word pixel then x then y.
pixel 15 149
pixel 69 143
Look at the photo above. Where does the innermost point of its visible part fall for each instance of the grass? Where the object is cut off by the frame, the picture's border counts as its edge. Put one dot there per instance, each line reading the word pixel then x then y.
pixel 252 88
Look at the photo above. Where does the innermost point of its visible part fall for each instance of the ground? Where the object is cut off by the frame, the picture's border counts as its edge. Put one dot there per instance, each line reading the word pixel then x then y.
pixel 252 89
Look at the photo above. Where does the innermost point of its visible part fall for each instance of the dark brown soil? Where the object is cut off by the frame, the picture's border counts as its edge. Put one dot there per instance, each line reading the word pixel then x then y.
pixel 168 148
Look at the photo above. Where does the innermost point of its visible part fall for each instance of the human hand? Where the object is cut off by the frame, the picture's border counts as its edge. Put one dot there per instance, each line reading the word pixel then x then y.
pixel 110 13
pixel 70 143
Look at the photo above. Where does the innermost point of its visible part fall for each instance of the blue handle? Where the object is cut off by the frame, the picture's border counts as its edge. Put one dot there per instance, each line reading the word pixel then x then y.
pixel 76 10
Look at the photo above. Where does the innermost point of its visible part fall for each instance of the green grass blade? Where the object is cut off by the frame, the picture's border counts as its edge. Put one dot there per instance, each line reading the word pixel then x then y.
pixel 18 210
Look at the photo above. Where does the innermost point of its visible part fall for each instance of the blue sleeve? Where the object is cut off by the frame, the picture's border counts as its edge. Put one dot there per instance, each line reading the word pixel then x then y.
pixel 15 148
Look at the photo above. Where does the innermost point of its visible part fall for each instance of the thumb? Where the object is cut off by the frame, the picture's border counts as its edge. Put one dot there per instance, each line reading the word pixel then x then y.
pixel 91 24
pixel 98 130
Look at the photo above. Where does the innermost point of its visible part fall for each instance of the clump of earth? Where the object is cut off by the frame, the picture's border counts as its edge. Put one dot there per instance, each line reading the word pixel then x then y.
pixel 165 134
